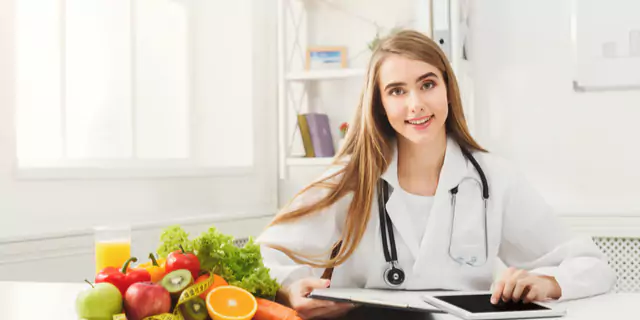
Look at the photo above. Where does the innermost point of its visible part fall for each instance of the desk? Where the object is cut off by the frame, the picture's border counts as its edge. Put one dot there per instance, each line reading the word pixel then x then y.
pixel 56 301
pixel 620 306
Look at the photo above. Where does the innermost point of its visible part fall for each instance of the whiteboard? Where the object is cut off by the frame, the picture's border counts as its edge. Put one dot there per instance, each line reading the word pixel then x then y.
pixel 606 39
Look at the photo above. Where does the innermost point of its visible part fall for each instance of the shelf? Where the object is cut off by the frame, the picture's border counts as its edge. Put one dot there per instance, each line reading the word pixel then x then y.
pixel 300 161
pixel 325 74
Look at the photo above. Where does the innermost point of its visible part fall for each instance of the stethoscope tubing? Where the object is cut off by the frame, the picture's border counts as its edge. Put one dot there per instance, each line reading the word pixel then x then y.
pixel 386 226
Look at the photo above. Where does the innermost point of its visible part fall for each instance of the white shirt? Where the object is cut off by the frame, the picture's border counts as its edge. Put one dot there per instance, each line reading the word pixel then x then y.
pixel 419 207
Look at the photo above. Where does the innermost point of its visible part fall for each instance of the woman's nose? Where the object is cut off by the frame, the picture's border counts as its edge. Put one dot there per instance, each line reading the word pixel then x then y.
pixel 414 103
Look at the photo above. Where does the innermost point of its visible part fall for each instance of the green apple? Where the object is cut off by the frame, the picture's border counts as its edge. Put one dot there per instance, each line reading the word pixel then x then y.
pixel 100 302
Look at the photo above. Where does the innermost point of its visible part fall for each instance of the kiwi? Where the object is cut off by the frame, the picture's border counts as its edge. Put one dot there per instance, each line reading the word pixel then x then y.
pixel 176 281
pixel 195 309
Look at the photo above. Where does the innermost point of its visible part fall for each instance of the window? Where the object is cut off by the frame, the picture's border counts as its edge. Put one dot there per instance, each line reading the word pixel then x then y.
pixel 141 85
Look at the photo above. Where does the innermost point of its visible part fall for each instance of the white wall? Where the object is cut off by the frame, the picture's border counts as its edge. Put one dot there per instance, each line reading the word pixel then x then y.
pixel 580 149
pixel 33 207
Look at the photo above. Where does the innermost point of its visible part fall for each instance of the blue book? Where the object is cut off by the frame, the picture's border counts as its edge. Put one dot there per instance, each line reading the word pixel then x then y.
pixel 320 133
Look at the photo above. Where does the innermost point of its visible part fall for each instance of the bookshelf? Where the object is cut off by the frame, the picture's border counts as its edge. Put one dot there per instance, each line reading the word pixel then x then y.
pixel 301 90
pixel 335 92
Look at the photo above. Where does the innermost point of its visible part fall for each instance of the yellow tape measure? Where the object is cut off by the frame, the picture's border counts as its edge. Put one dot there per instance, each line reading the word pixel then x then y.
pixel 192 292
pixel 188 294
pixel 164 316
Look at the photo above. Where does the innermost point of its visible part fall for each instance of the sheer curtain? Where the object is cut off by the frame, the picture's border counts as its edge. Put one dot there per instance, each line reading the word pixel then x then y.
pixel 134 84
pixel 136 112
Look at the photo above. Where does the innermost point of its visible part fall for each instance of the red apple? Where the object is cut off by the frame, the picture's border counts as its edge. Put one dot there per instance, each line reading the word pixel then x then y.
pixel 144 299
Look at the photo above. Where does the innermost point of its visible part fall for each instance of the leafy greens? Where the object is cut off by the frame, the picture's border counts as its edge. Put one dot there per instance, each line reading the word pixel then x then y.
pixel 241 267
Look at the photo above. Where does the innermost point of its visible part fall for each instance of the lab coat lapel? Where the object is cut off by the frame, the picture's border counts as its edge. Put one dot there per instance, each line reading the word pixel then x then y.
pixel 454 169
pixel 436 239
pixel 397 209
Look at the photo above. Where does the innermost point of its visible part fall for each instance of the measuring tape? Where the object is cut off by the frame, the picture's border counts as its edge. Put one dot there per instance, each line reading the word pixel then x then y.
pixel 188 294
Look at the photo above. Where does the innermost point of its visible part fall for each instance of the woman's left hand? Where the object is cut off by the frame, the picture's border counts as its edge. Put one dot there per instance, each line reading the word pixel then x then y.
pixel 520 285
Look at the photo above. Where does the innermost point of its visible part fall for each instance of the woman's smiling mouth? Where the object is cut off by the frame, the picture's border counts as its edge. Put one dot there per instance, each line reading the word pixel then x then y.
pixel 419 121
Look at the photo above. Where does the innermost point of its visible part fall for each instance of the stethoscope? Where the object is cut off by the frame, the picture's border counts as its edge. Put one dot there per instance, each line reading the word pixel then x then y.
pixel 394 275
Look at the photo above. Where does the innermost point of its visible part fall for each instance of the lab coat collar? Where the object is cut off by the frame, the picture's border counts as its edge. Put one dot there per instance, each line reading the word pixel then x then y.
pixel 454 169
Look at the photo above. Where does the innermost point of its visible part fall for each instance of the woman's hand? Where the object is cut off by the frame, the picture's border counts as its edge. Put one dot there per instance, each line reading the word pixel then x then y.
pixel 307 308
pixel 520 285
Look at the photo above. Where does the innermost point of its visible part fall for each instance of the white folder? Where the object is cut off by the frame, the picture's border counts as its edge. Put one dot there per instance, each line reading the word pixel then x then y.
pixel 394 299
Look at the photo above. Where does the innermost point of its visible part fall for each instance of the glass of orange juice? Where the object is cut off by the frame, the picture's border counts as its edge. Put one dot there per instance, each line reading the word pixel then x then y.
pixel 112 245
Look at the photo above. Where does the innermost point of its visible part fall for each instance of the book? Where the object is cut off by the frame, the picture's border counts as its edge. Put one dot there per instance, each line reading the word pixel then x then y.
pixel 306 136
pixel 320 132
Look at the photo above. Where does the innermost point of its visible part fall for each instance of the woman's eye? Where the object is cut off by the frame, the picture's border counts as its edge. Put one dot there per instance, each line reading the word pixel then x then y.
pixel 396 92
pixel 428 85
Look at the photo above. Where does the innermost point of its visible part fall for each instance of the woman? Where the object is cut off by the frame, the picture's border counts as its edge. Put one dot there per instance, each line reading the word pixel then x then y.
pixel 409 140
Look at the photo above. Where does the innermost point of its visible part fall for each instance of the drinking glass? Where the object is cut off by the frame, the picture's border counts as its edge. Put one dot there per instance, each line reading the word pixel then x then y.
pixel 112 245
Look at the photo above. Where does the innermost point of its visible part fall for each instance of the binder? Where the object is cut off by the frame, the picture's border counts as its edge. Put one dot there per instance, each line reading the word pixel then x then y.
pixel 320 132
pixel 306 136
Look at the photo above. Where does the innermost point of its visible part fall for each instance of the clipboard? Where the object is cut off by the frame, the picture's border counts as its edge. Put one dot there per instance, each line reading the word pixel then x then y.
pixel 392 299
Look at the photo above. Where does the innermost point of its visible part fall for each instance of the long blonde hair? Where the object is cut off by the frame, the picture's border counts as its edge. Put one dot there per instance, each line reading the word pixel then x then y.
pixel 368 148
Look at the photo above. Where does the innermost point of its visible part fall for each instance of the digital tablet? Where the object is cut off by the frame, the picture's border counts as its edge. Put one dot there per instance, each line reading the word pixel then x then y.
pixel 476 306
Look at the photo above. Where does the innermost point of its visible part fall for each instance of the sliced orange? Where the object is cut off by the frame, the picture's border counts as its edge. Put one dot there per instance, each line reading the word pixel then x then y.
pixel 231 303
pixel 217 281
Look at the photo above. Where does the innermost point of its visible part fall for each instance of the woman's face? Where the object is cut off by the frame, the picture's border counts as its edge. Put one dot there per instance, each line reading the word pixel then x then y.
pixel 414 96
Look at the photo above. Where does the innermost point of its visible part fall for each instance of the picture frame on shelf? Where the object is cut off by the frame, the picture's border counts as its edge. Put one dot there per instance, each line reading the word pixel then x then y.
pixel 326 57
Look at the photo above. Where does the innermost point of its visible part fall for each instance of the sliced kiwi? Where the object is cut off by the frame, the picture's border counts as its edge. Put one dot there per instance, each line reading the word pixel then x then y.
pixel 176 281
pixel 195 309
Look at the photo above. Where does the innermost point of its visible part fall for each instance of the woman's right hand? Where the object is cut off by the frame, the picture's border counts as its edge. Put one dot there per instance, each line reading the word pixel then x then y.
pixel 308 308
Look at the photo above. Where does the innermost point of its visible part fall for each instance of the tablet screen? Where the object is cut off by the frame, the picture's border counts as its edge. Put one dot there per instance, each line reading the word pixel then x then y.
pixel 480 303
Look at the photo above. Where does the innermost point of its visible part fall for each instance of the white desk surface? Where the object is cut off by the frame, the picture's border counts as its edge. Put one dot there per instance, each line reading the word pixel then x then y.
pixel 27 300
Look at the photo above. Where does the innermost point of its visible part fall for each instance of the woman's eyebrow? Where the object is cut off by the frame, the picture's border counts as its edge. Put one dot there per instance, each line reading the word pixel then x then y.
pixel 426 75
pixel 420 78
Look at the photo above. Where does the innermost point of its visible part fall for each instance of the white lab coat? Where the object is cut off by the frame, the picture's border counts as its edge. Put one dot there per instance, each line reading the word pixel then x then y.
pixel 523 232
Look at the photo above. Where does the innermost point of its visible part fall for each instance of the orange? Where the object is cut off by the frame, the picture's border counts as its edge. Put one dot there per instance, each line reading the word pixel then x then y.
pixel 231 303
pixel 217 281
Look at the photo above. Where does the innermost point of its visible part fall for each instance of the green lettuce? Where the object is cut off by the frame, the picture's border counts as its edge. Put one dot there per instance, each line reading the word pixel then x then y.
pixel 171 239
pixel 241 267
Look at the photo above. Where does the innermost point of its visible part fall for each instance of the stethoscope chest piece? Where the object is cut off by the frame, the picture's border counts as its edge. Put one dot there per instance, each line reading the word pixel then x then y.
pixel 394 276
